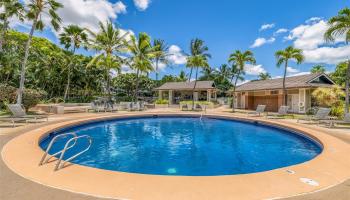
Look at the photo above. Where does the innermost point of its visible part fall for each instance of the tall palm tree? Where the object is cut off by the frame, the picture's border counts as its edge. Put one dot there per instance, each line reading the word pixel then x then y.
pixel 162 53
pixel 198 59
pixel 12 8
pixel 239 59
pixel 109 42
pixel 318 69
pixel 339 26
pixel 264 76
pixel 142 53
pixel 36 8
pixel 72 38
pixel 284 56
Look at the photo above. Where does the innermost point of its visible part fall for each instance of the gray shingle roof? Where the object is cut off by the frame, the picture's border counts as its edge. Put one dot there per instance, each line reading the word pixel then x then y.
pixel 187 85
pixel 302 81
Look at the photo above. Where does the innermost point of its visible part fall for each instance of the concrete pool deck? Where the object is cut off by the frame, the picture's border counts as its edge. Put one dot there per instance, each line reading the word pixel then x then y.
pixel 329 169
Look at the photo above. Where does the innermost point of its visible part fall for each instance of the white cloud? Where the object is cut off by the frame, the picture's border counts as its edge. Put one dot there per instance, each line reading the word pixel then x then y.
pixel 310 38
pixel 280 31
pixel 85 13
pixel 292 70
pixel 266 26
pixel 142 4
pixel 254 69
pixel 239 82
pixel 261 41
pixel 176 55
pixel 313 20
pixel 299 74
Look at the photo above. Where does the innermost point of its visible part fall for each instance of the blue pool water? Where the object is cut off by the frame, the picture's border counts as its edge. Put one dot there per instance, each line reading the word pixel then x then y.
pixel 187 146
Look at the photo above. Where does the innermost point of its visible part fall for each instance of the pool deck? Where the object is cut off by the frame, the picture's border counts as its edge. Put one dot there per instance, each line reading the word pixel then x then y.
pixel 330 170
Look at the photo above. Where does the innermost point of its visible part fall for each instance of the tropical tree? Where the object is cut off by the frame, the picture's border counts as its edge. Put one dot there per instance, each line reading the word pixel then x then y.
pixel 109 42
pixel 198 59
pixel 340 26
pixel 318 69
pixel 284 56
pixel 72 38
pixel 36 9
pixel 141 55
pixel 11 8
pixel 239 59
pixel 264 76
pixel 161 54
pixel 182 76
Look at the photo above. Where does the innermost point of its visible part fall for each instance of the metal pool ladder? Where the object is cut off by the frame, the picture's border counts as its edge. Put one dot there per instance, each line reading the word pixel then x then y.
pixel 60 163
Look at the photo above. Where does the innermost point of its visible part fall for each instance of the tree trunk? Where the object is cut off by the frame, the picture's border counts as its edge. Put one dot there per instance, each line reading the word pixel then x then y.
pixel 136 85
pixel 234 91
pixel 68 78
pixel 189 78
pixel 3 34
pixel 24 63
pixel 347 95
pixel 194 87
pixel 285 97
pixel 157 69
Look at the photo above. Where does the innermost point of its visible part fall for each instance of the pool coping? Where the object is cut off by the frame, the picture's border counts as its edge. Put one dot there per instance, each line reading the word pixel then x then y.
pixel 22 155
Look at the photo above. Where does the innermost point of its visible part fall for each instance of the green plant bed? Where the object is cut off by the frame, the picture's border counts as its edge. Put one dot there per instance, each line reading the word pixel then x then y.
pixel 207 103
pixel 162 102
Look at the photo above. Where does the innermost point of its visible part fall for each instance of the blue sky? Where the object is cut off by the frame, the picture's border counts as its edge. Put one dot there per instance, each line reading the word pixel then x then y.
pixel 225 26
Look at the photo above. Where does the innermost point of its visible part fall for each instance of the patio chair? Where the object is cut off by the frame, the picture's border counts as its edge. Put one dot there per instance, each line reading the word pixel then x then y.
pixel 332 123
pixel 199 107
pixel 282 111
pixel 19 112
pixel 321 114
pixel 259 110
pixel 12 120
pixel 184 107
pixel 95 107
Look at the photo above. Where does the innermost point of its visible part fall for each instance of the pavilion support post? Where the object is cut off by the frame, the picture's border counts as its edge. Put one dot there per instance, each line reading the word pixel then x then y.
pixel 208 95
pixel 160 96
pixel 170 97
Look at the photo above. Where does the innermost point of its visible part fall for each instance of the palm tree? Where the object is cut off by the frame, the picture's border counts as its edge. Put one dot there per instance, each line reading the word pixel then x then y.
pixel 36 9
pixel 12 8
pixel 264 76
pixel 162 53
pixel 318 69
pixel 142 53
pixel 72 38
pixel 198 58
pixel 182 76
pixel 283 56
pixel 109 42
pixel 339 26
pixel 239 59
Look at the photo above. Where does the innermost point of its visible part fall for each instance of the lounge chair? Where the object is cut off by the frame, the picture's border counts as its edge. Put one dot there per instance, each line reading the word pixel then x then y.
pixel 19 112
pixel 12 120
pixel 282 111
pixel 321 114
pixel 259 110
pixel 332 123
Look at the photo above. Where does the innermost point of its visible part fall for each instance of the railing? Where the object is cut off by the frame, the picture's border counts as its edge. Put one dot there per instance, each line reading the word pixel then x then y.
pixel 69 144
pixel 44 159
pixel 61 162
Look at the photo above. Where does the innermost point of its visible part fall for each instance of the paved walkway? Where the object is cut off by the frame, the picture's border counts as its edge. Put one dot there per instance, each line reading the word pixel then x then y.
pixel 14 187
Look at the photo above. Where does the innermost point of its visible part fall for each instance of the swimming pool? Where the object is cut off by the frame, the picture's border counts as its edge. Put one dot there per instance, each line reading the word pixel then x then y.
pixel 188 146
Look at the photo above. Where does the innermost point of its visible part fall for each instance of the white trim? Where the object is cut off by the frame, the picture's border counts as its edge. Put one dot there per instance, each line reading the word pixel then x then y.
pixel 323 74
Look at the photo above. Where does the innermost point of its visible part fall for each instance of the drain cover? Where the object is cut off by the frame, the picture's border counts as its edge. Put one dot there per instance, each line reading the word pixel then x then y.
pixel 309 181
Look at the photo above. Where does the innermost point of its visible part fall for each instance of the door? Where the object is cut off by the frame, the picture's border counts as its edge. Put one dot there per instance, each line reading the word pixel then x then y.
pixel 293 103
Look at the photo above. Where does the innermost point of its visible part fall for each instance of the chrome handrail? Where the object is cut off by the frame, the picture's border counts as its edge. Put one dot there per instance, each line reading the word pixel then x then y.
pixel 44 159
pixel 61 162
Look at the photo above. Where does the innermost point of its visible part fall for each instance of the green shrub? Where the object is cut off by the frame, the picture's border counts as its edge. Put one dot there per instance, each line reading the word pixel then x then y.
pixel 32 97
pixel 7 95
pixel 338 110
pixel 162 101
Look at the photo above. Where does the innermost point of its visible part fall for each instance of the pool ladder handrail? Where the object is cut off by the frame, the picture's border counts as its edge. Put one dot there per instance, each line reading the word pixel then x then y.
pixel 44 158
pixel 61 162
